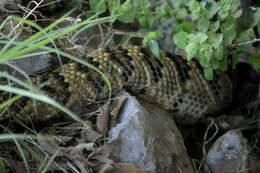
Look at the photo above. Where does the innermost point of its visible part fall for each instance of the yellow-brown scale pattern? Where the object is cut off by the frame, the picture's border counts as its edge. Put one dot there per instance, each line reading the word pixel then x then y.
pixel 172 83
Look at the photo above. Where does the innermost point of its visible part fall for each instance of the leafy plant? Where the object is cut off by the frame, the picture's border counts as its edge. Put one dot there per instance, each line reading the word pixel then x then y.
pixel 206 30
pixel 218 29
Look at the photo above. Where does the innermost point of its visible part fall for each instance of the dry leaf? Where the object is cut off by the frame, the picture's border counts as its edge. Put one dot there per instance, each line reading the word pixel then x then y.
pixel 90 135
pixel 102 119
pixel 115 109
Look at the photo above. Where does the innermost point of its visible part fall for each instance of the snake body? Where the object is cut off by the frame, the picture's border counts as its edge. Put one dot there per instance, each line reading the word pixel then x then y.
pixel 173 83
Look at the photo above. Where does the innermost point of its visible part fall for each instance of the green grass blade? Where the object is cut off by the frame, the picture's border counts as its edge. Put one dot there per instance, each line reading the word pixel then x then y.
pixel 47 166
pixel 2 166
pixel 48 40
pixel 3 24
pixel 11 136
pixel 8 44
pixel 16 80
pixel 28 148
pixel 32 54
pixel 8 102
pixel 14 51
pixel 20 150
pixel 16 68
pixel 28 22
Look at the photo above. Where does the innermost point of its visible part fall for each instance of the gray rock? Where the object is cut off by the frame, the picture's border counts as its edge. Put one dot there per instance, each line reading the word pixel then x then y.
pixel 230 153
pixel 148 137
pixel 30 65
pixel 33 64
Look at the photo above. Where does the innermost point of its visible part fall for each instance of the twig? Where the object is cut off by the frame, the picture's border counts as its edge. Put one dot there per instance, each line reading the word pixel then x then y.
pixel 205 141
pixel 248 42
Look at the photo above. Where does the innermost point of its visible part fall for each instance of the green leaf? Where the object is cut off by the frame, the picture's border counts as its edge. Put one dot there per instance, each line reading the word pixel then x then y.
pixel 222 15
pixel 142 21
pixel 187 26
pixel 98 6
pixel 235 59
pixel 206 53
pixel 246 35
pixel 208 72
pixel 220 64
pixel 230 23
pixel 142 4
pixel 254 18
pixel 195 16
pixel 177 29
pixel 142 32
pixel 258 28
pixel 223 64
pixel 146 21
pixel 164 10
pixel 181 39
pixel 203 24
pixel 113 6
pixel 204 61
pixel 235 4
pixel 229 36
pixel 155 48
pixel 152 35
pixel 192 47
pixel 181 14
pixel 216 40
pixel 110 43
pixel 246 48
pixel 214 27
pixel 255 61
pixel 177 3
pixel 202 37
pixel 125 39
pixel 238 14
pixel 194 7
pixel 224 9
pixel 212 9
pixel 128 12
pixel 219 52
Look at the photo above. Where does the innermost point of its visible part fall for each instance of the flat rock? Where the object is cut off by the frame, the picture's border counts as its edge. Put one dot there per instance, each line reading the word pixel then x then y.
pixel 30 65
pixel 148 137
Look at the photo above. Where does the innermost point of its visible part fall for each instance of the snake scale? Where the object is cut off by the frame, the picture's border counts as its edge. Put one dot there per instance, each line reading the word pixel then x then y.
pixel 173 83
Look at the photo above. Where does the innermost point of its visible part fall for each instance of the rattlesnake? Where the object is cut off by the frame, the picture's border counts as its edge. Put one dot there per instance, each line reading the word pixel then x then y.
pixel 173 83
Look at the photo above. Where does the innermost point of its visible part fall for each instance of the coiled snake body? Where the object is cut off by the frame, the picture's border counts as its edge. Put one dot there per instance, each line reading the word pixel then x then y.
pixel 172 83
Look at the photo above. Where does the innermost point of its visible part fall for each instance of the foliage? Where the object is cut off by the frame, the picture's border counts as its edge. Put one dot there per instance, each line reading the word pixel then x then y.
pixel 206 29
pixel 218 29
